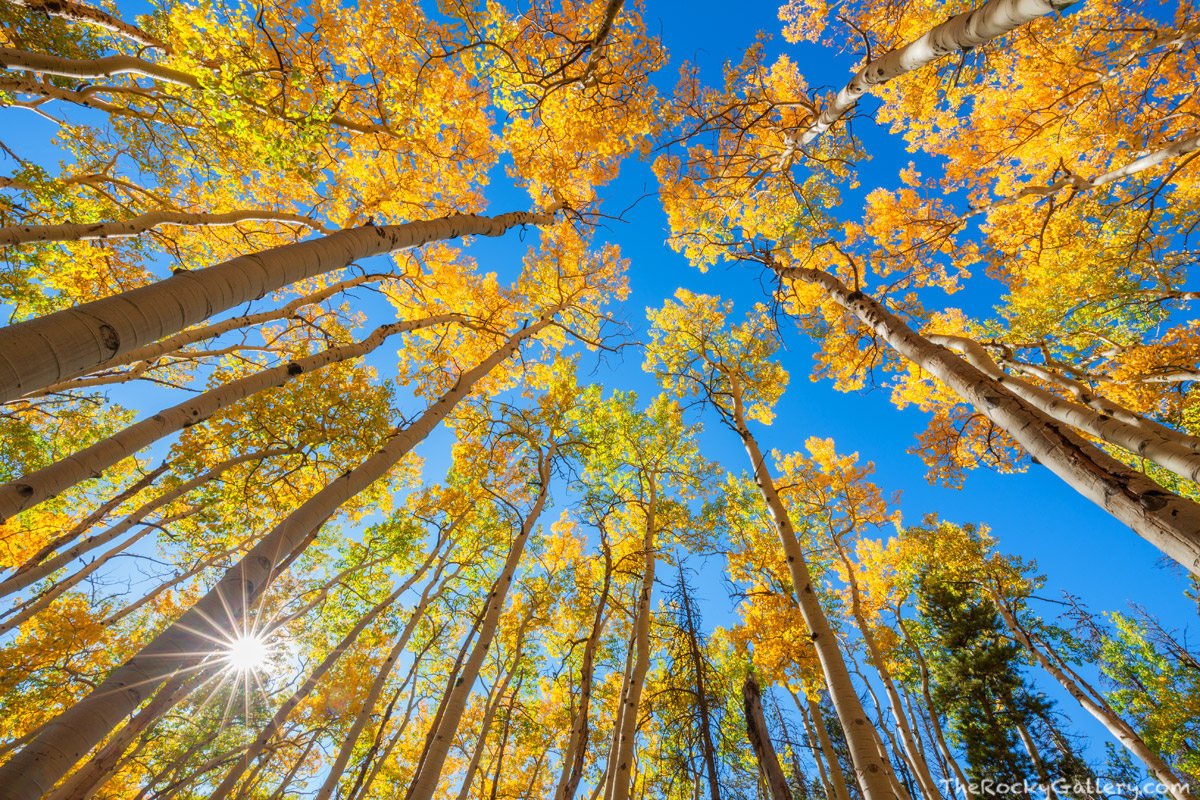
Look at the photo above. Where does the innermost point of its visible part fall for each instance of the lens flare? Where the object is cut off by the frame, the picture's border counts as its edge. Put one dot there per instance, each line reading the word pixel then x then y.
pixel 247 654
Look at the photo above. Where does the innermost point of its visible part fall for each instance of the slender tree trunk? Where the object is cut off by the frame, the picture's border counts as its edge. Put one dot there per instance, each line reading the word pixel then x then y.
pixel 1182 146
pixel 1039 766
pixel 371 700
pixel 195 635
pixel 907 738
pixel 706 742
pixel 78 12
pixel 818 752
pixel 305 689
pixel 122 229
pixel 575 753
pixel 30 573
pixel 1116 725
pixel 1166 452
pixel 939 735
pixel 610 764
pixel 53 479
pixel 873 772
pixel 76 341
pixel 760 740
pixel 92 68
pixel 631 702
pixel 835 768
pixel 492 706
pixel 1169 522
pixel 426 780
pixel 958 34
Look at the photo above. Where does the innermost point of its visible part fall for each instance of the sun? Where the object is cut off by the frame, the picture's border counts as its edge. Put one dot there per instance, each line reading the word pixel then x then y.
pixel 247 653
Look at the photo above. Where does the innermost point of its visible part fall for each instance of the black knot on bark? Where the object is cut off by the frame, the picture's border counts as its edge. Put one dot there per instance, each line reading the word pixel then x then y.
pixel 294 369
pixel 1152 500
pixel 24 489
pixel 109 337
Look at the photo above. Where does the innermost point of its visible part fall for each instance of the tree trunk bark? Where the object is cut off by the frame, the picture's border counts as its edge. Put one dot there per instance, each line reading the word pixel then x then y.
pixel 631 702
pixel 485 724
pixel 760 740
pixel 1121 730
pixel 371 700
pixel 426 780
pixel 172 344
pixel 75 341
pixel 958 34
pixel 907 738
pixel 78 12
pixel 29 490
pixel 706 742
pixel 1169 522
pixel 1168 453
pixel 873 772
pixel 575 753
pixel 39 765
pixel 92 68
pixel 818 751
pixel 121 229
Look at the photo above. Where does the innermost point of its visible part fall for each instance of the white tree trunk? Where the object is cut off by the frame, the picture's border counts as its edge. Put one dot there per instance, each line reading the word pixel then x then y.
pixel 426 780
pixel 631 701
pixel 873 771
pixel 197 633
pixel 78 12
pixel 1169 522
pixel 960 33
pixel 92 68
pixel 1121 730
pixel 122 229
pixel 29 490
pixel 76 341
pixel 1167 453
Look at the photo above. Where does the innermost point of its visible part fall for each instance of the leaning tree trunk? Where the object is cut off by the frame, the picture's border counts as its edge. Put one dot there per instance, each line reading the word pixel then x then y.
pixel 622 763
pixel 52 479
pixel 760 740
pixel 75 341
pixel 78 12
pixel 908 739
pixel 492 706
pixel 271 728
pixel 698 664
pixel 873 771
pixel 1167 452
pixel 31 572
pixel 575 753
pixel 958 34
pixel 367 710
pixel 1116 725
pixel 195 635
pixel 1169 522
pixel 123 229
pixel 819 749
pixel 426 780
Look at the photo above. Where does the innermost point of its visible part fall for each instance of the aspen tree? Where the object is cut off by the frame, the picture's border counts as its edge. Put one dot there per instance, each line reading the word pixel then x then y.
pixel 693 353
